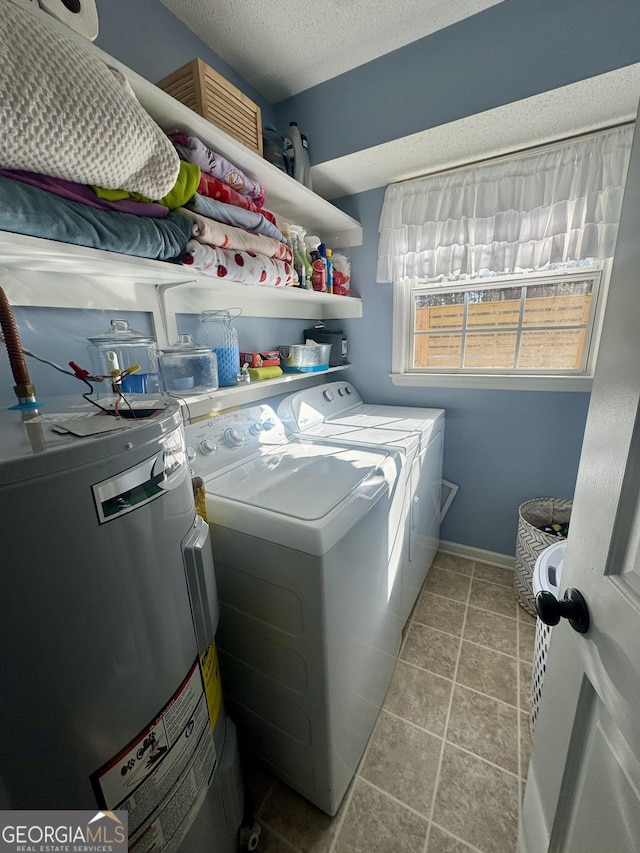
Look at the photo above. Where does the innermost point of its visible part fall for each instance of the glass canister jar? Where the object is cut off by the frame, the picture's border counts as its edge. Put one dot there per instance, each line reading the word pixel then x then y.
pixel 188 368
pixel 217 333
pixel 121 347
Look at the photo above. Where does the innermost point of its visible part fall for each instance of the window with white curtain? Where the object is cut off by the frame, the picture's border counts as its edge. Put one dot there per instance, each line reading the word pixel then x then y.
pixel 500 270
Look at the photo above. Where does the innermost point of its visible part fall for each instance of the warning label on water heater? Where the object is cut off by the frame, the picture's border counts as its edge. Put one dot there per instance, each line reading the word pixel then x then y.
pixel 162 776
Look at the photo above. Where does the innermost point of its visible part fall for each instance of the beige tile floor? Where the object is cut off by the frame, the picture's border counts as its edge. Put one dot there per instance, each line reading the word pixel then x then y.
pixel 445 768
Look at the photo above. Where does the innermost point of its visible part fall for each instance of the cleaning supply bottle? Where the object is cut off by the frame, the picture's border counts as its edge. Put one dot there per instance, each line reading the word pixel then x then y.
pixel 273 146
pixel 322 249
pixel 319 275
pixel 300 261
pixel 292 240
pixel 288 156
pixel 329 255
pixel 307 162
pixel 200 496
pixel 341 274
pixel 286 233
pixel 312 243
pixel 296 152
pixel 304 256
pixel 319 270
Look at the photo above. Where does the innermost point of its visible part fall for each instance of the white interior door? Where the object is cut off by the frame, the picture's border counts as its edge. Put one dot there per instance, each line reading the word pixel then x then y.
pixel 583 790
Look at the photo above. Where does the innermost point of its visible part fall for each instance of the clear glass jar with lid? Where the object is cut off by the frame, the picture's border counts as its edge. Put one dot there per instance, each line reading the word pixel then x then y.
pixel 217 333
pixel 120 348
pixel 188 368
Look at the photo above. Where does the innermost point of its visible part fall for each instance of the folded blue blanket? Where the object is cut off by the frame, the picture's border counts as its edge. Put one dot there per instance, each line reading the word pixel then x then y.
pixel 29 210
pixel 229 214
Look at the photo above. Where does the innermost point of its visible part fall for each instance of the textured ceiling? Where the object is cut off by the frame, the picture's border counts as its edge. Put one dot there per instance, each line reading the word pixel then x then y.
pixel 588 105
pixel 284 48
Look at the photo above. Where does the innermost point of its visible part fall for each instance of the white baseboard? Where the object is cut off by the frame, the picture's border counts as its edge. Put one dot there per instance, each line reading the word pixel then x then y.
pixel 478 554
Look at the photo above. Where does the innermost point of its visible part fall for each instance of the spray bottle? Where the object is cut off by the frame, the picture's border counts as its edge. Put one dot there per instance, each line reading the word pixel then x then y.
pixel 300 261
pixel 319 274
pixel 305 258
pixel 286 233
pixel 284 230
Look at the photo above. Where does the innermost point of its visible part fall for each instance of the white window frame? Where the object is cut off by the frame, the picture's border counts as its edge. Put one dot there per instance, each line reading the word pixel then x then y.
pixel 404 374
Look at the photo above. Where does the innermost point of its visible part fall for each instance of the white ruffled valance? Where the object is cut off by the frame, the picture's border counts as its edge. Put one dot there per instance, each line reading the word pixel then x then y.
pixel 523 213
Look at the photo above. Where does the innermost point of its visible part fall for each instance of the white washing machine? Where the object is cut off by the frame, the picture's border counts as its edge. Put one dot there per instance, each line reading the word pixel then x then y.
pixel 308 640
pixel 335 412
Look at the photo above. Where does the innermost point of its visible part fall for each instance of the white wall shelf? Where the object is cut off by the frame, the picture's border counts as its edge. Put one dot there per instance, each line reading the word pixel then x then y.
pixel 290 200
pixel 197 408
pixel 287 198
pixel 81 277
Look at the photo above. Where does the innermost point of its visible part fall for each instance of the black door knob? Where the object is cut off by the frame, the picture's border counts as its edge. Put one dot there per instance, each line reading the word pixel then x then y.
pixel 572 607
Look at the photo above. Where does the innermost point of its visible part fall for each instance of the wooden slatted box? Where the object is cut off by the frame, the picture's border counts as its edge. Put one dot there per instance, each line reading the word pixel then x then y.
pixel 207 93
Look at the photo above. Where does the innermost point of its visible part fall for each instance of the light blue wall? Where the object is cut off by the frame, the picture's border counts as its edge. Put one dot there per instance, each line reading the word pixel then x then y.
pixel 146 37
pixel 501 447
pixel 511 51
pixel 60 335
pixel 149 39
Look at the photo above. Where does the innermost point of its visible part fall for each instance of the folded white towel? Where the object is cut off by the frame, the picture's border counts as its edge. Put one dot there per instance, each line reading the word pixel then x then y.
pixel 64 113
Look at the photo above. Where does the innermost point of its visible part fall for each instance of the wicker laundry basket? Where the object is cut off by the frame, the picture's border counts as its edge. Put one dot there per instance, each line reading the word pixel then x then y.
pixel 532 541
pixel 547 576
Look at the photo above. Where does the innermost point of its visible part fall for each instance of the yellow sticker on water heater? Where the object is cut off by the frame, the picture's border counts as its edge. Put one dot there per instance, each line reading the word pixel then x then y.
pixel 211 679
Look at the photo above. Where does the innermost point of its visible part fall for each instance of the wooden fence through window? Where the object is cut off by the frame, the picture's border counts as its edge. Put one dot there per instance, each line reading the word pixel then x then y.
pixel 492 331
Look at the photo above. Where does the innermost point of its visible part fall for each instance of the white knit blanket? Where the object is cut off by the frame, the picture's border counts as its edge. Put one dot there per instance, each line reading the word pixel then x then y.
pixel 64 113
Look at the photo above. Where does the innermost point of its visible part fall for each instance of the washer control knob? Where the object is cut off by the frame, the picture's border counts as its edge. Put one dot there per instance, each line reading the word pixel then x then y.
pixel 328 395
pixel 208 446
pixel 256 428
pixel 348 389
pixel 191 453
pixel 341 391
pixel 268 425
pixel 233 437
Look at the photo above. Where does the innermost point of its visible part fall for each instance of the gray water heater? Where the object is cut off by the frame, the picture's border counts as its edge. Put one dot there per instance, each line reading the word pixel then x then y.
pixel 109 688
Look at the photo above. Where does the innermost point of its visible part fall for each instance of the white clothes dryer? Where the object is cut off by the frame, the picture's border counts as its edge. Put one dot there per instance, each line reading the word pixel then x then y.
pixel 335 412
pixel 307 640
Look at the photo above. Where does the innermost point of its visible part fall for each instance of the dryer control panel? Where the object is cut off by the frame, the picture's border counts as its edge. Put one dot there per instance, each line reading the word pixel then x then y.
pixel 219 441
pixel 312 406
